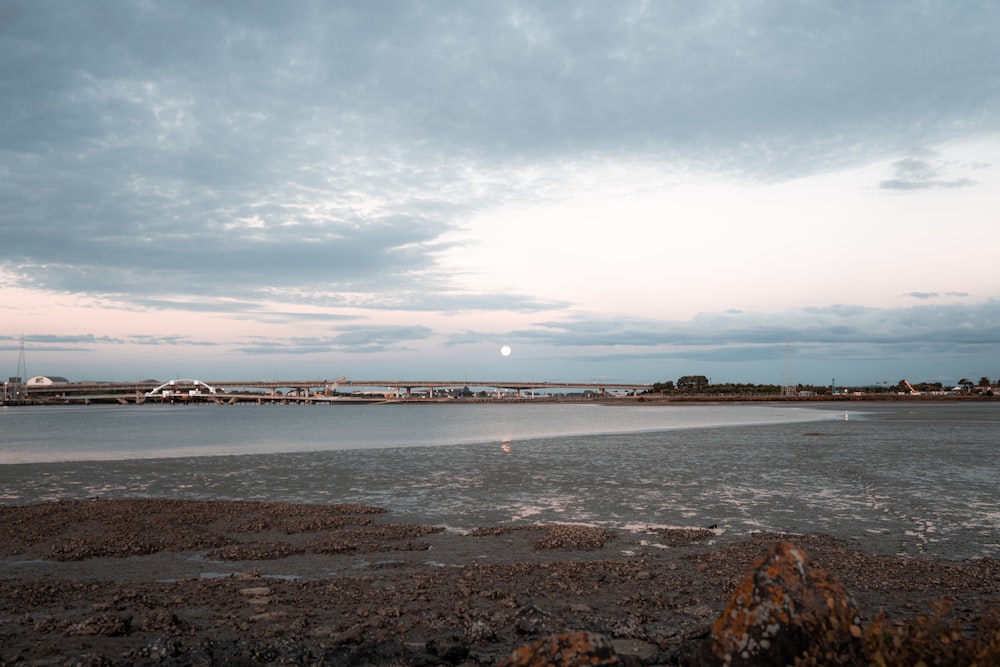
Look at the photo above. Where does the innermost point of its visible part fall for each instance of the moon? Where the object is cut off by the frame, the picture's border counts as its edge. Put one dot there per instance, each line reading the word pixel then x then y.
pixel 505 351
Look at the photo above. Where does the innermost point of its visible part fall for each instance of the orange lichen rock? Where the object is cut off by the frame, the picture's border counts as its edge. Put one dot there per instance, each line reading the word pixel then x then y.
pixel 574 649
pixel 783 608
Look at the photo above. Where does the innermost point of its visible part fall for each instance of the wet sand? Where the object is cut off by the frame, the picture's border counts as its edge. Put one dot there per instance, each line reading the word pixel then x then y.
pixel 214 582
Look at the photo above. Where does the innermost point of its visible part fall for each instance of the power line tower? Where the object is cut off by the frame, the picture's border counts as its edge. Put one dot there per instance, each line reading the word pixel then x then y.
pixel 787 387
pixel 18 389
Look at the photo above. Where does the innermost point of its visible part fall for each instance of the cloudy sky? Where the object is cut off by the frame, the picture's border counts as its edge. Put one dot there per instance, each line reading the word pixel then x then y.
pixel 624 191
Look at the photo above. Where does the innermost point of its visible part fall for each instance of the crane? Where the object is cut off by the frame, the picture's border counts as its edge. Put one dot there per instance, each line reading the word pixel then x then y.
pixel 331 387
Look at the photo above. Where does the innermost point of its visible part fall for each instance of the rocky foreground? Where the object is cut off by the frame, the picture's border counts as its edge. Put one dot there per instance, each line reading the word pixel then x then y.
pixel 120 582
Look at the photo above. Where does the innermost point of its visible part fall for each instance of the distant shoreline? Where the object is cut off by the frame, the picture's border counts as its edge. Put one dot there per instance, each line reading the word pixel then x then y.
pixel 644 399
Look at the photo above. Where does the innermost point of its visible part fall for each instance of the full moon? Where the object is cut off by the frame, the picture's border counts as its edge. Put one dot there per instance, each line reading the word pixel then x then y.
pixel 505 350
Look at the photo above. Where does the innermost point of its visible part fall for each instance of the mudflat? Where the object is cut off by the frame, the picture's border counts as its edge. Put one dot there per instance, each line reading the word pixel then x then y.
pixel 222 582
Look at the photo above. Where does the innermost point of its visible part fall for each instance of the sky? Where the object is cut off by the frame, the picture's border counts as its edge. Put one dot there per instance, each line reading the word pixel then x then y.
pixel 627 191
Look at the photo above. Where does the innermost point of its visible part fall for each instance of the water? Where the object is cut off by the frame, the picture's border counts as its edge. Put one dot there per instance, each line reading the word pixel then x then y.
pixel 918 479
pixel 72 433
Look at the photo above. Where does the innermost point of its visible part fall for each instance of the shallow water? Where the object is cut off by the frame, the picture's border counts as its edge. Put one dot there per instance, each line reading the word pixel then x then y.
pixel 80 433
pixel 916 479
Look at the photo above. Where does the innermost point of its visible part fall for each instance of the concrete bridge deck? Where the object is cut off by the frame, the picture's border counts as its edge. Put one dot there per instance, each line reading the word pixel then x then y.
pixel 312 391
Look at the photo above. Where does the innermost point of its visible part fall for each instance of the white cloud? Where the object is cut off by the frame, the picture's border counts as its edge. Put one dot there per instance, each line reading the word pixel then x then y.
pixel 236 172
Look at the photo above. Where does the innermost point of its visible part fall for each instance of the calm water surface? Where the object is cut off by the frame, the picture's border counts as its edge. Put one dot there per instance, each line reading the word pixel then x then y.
pixel 69 433
pixel 914 478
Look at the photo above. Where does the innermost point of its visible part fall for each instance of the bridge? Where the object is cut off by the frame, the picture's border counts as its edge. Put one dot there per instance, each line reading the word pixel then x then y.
pixel 301 391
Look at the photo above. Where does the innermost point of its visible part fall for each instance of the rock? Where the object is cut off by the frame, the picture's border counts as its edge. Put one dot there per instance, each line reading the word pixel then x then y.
pixel 568 536
pixel 268 616
pixel 161 620
pixel 351 635
pixel 532 621
pixel 780 606
pixel 635 651
pixel 387 652
pixel 107 625
pixel 565 650
pixel 450 649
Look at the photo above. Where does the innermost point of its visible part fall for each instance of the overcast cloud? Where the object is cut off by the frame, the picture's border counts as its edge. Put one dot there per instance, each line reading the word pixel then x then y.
pixel 627 190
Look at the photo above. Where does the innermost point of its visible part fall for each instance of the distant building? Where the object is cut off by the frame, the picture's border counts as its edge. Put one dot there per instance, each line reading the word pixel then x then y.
pixel 45 381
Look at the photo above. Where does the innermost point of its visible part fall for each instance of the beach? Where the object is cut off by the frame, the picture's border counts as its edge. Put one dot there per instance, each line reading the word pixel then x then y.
pixel 163 581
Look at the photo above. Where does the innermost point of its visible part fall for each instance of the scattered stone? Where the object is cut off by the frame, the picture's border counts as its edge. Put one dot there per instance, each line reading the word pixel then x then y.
pixel 106 625
pixel 161 620
pixel 159 650
pixel 479 596
pixel 698 611
pixel 263 550
pixel 567 536
pixel 349 636
pixel 676 537
pixel 532 621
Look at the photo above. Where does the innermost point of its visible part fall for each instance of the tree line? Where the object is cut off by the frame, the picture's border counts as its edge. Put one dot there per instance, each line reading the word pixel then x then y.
pixel 701 385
